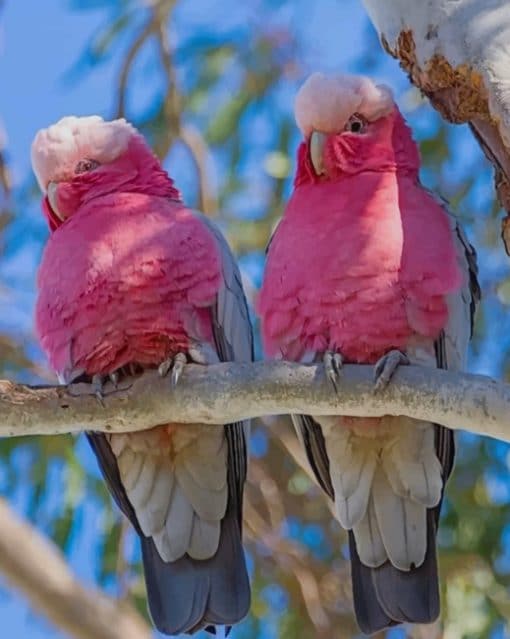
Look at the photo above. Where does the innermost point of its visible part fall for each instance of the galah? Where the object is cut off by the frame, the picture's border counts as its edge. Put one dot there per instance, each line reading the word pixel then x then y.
pixel 132 279
pixel 366 266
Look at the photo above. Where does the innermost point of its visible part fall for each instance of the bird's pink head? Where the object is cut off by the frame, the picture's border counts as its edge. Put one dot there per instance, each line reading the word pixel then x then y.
pixel 350 125
pixel 80 158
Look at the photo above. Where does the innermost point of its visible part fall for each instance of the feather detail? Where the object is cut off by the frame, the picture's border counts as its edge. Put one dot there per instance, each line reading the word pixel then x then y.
pixel 385 474
pixel 368 539
pixel 153 513
pixel 205 537
pixel 141 492
pixel 212 475
pixel 176 482
pixel 352 471
pixel 173 540
pixel 402 524
pixel 130 467
pixel 411 465
pixel 207 503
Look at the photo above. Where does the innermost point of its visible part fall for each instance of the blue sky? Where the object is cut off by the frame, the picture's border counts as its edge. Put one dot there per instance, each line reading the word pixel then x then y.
pixel 36 51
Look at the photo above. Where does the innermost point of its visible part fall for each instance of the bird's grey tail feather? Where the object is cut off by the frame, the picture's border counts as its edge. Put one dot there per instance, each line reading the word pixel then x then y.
pixel 187 595
pixel 386 596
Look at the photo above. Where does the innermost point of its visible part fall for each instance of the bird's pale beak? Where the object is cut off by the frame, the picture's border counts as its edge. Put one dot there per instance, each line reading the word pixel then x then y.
pixel 51 192
pixel 317 141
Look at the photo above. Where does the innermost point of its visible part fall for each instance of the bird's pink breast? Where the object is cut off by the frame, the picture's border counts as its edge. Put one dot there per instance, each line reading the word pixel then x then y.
pixel 129 278
pixel 358 265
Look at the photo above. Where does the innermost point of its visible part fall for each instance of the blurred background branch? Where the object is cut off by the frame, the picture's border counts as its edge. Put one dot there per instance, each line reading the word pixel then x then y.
pixel 31 563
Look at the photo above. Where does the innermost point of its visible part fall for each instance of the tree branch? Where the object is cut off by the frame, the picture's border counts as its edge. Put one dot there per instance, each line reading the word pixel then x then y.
pixel 228 392
pixel 36 566
pixel 199 152
pixel 127 64
pixel 189 135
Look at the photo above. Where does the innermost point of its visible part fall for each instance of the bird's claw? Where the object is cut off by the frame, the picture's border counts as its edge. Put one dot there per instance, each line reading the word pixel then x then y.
pixel 114 378
pixel 99 381
pixel 97 386
pixel 386 367
pixel 165 366
pixel 333 363
pixel 176 363
pixel 180 361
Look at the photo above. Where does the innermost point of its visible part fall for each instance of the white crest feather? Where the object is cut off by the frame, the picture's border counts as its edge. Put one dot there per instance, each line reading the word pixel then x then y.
pixel 325 102
pixel 57 149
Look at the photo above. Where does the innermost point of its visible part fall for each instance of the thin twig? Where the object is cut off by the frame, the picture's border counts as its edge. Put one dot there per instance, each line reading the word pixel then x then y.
pixel 127 64
pixel 199 153
pixel 172 101
pixel 172 111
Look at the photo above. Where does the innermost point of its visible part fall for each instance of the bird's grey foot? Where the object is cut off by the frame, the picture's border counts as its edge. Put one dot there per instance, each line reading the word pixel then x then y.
pixel 176 364
pixel 386 367
pixel 333 363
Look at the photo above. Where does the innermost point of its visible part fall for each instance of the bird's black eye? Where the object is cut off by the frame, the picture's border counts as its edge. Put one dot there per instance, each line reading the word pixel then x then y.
pixel 85 165
pixel 355 124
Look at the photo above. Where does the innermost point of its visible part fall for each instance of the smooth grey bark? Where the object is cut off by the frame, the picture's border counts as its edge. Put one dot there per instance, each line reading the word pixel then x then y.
pixel 229 392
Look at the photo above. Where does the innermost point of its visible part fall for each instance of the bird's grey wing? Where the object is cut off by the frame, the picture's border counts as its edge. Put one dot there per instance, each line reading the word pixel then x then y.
pixel 310 435
pixel 463 303
pixel 233 338
pixel 232 327
pixel 452 345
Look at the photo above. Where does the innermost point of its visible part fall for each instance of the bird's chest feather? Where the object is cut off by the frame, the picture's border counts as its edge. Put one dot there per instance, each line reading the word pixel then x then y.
pixel 357 271
pixel 131 283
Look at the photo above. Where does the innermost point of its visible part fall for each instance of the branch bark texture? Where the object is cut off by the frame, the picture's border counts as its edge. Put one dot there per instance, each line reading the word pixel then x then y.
pixel 34 565
pixel 229 392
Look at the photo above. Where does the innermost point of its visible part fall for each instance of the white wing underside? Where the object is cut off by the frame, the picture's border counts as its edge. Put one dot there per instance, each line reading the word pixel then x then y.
pixel 177 485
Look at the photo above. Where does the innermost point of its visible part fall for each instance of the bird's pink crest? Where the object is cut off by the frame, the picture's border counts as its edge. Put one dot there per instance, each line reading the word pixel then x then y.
pixel 56 149
pixel 325 102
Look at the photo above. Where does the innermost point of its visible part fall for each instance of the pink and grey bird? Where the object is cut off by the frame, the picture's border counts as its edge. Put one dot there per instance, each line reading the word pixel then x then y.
pixel 366 266
pixel 132 279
